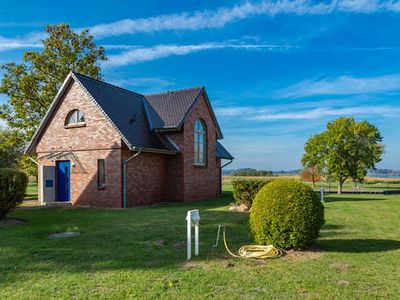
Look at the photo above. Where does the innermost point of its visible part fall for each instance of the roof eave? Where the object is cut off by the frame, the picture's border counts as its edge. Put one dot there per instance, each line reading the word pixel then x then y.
pixel 203 91
pixel 29 148
pixel 153 150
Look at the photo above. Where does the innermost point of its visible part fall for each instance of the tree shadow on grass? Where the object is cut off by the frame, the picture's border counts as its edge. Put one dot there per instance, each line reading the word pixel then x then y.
pixel 352 199
pixel 116 239
pixel 358 245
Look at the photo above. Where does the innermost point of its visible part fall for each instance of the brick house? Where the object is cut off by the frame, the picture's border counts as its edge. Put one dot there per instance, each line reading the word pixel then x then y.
pixel 101 145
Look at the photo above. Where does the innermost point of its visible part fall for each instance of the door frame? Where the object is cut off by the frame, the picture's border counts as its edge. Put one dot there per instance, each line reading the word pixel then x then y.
pixel 69 180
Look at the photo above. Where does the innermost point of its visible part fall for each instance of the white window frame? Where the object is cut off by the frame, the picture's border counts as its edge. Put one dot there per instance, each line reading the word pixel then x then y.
pixel 200 143
pixel 73 118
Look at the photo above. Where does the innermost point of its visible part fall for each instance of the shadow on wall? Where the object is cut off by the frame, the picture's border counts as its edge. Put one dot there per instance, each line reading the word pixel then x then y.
pixel 85 186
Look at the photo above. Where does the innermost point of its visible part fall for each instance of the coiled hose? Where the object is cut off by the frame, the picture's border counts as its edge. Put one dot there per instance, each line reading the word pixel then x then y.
pixel 250 251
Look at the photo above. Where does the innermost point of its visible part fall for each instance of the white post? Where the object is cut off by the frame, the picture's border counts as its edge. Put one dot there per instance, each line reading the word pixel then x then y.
pixel 192 219
pixel 322 194
pixel 196 239
pixel 189 235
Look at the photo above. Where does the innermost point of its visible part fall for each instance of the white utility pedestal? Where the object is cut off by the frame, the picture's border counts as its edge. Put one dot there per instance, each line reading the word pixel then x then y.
pixel 193 220
pixel 321 189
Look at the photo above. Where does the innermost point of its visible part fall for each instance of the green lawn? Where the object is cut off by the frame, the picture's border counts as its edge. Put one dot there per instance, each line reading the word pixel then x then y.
pixel 31 191
pixel 115 256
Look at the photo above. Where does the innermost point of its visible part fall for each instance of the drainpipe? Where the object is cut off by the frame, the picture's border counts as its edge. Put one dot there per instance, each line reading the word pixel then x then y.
pixel 124 162
pixel 229 162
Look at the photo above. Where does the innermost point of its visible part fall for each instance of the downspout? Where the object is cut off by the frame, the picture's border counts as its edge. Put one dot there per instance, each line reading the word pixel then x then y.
pixel 124 162
pixel 220 186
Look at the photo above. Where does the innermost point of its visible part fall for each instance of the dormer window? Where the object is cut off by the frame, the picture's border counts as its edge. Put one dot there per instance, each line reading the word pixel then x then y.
pixel 75 117
pixel 199 143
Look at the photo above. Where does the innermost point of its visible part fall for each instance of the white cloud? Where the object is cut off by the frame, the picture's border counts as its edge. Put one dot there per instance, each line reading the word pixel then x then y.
pixel 269 114
pixel 138 55
pixel 31 40
pixel 225 15
pixel 343 85
pixel 143 84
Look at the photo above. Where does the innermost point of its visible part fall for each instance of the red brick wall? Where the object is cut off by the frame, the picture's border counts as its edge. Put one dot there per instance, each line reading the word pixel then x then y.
pixel 198 182
pixel 175 170
pixel 146 178
pixel 96 140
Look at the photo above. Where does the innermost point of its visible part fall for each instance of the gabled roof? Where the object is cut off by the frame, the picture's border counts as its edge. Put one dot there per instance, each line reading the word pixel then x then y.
pixel 125 110
pixel 222 152
pixel 168 110
pixel 139 120
pixel 122 108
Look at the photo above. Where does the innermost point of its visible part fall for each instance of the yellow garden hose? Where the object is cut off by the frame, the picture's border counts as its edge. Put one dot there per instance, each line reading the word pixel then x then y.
pixel 250 251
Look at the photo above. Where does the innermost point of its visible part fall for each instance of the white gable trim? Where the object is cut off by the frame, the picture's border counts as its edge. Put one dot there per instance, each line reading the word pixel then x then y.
pixel 71 76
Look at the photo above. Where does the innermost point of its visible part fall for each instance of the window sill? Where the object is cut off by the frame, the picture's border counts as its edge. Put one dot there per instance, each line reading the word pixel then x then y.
pixel 75 125
pixel 101 187
pixel 200 165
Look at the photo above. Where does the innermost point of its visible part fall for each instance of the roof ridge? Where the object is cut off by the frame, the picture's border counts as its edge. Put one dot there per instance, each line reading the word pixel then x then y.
pixel 173 91
pixel 107 84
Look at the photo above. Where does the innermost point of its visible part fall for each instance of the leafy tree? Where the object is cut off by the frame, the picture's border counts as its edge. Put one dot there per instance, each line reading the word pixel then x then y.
pixel 32 85
pixel 346 149
pixel 252 172
pixel 10 148
pixel 310 174
pixel 11 152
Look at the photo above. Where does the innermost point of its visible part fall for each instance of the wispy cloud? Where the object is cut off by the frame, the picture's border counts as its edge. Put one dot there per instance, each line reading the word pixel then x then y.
pixel 343 85
pixel 143 84
pixel 138 55
pixel 32 40
pixel 225 15
pixel 273 114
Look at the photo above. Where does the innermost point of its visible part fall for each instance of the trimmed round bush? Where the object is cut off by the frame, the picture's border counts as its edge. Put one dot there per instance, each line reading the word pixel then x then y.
pixel 13 185
pixel 287 214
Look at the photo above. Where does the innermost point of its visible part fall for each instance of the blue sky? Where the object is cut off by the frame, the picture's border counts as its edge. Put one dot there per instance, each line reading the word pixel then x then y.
pixel 275 71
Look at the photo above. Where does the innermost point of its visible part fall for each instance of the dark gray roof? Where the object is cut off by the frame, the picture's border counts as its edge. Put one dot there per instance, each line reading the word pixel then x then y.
pixel 222 152
pixel 125 110
pixel 168 110
pixel 140 120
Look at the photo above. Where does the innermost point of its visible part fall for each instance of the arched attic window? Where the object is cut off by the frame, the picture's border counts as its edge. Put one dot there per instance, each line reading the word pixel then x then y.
pixel 75 117
pixel 200 142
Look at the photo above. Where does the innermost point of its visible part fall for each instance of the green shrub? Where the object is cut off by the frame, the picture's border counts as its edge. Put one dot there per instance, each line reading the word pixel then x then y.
pixel 13 185
pixel 287 214
pixel 244 190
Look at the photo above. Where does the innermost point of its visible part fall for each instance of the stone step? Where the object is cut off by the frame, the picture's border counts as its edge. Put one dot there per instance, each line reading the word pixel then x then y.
pixel 57 204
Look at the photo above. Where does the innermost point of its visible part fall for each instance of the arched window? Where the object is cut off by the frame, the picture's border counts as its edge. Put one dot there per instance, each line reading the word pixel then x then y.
pixel 75 117
pixel 199 143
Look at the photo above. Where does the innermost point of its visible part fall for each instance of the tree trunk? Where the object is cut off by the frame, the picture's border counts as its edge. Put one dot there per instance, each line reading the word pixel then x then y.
pixel 340 188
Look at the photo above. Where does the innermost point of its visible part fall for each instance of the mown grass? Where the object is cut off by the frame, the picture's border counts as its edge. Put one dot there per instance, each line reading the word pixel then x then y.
pixel 381 184
pixel 31 191
pixel 115 256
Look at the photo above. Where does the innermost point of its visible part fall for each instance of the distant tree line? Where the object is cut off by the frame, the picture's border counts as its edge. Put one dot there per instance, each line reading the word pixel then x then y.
pixel 252 172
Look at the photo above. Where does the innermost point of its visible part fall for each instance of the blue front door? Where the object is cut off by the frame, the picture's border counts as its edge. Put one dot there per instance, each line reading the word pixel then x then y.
pixel 63 174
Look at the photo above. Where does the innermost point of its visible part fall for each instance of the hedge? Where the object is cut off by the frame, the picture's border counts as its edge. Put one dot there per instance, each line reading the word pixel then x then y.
pixel 287 214
pixel 244 190
pixel 13 185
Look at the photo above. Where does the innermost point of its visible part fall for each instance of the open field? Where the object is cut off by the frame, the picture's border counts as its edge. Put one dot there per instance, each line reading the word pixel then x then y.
pixel 374 184
pixel 115 256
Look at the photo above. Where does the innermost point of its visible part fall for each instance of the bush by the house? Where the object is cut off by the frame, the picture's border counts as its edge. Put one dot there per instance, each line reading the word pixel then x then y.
pixel 13 185
pixel 287 214
pixel 244 190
